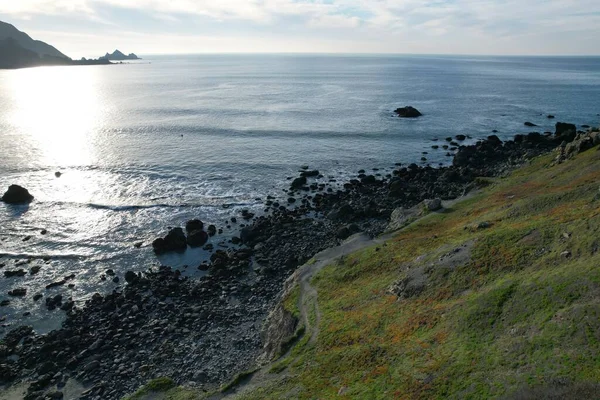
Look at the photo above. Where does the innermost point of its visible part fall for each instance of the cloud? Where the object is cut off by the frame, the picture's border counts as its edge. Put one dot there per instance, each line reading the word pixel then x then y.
pixel 394 25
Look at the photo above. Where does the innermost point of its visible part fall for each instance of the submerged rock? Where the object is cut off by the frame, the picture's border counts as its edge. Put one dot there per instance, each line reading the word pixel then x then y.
pixel 408 112
pixel 17 195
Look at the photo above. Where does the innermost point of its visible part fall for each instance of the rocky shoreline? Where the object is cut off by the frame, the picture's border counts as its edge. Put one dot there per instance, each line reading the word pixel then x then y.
pixel 207 330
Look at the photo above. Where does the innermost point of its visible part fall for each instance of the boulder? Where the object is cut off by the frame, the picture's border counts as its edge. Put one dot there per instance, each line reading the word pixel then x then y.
pixel 212 230
pixel 174 241
pixel 408 112
pixel 194 225
pixel 298 182
pixel 17 195
pixel 197 238
pixel 18 292
pixel 433 205
pixel 131 277
pixel 461 137
pixel 530 124
pixel 563 128
pixel 250 234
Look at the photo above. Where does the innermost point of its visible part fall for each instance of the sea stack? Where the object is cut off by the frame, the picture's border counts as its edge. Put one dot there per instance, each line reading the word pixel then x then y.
pixel 408 112
pixel 17 195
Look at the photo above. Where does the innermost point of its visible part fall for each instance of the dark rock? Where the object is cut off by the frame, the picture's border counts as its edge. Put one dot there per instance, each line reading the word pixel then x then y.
pixel 433 205
pixel 131 277
pixel 35 269
pixel 550 116
pixel 408 112
pixel 194 225
pixel 37 297
pixel 17 195
pixel 212 230
pixel 530 124
pixel 197 238
pixel 10 274
pixel 298 182
pixel 18 292
pixel 174 241
pixel 4 303
pixel 563 128
pixel 58 174
pixel 250 233
pixel 461 137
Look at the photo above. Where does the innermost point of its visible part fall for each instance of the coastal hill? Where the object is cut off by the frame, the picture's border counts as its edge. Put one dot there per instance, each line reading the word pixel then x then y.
pixel 19 50
pixel 23 40
pixel 119 56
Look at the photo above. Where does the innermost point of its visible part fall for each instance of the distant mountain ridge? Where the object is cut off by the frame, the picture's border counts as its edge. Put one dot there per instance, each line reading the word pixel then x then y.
pixel 119 56
pixel 19 50
pixel 26 42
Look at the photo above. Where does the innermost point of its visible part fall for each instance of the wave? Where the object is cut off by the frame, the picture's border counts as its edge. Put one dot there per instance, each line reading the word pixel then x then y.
pixel 63 256
pixel 133 207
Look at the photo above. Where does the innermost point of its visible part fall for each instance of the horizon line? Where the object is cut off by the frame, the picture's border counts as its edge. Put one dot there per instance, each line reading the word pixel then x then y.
pixel 369 54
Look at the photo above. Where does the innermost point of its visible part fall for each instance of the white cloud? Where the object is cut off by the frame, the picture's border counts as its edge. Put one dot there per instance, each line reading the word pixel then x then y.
pixel 397 25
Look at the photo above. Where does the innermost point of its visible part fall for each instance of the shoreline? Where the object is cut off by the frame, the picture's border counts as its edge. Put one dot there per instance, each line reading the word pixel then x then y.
pixel 166 325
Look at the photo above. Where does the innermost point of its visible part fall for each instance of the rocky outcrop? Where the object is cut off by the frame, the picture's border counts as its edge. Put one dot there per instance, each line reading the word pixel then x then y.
pixel 174 241
pixel 581 143
pixel 563 128
pixel 17 195
pixel 408 112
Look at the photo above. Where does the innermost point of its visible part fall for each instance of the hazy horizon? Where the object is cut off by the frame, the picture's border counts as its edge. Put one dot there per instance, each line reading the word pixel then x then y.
pixel 89 28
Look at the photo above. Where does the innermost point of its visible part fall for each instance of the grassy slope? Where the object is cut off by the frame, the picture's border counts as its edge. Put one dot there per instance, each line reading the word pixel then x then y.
pixel 520 314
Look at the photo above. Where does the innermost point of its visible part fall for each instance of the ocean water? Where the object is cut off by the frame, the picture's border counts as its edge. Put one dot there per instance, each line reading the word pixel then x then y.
pixel 149 145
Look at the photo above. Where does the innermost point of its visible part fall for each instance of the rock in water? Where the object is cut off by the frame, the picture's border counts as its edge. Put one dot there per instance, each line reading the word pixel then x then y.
pixel 197 238
pixel 174 241
pixel 298 182
pixel 17 195
pixel 530 124
pixel 194 225
pixel 408 112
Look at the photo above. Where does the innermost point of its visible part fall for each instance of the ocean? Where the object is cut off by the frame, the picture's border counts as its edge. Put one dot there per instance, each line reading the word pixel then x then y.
pixel 149 145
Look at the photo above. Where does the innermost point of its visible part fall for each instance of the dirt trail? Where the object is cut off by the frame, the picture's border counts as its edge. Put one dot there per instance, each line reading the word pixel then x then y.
pixel 308 305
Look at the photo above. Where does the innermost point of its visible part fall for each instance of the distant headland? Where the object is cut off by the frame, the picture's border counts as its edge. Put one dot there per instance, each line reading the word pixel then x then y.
pixel 19 50
pixel 118 56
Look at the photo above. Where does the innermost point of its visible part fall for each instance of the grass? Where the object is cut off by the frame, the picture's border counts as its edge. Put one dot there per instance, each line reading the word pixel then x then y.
pixel 163 388
pixel 521 316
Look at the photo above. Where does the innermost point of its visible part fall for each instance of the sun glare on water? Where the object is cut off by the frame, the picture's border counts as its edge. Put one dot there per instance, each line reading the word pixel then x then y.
pixel 57 109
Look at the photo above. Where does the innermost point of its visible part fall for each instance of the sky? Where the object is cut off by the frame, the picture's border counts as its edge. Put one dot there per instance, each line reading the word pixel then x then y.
pixel 90 28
